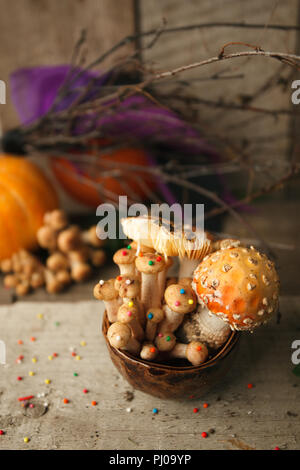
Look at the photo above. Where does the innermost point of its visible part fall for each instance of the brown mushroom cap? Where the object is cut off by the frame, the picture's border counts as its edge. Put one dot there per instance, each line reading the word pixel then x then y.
pixel 240 285
pixel 124 256
pixel 129 287
pixel 180 299
pixel 127 314
pixel 105 290
pixel 155 315
pixel 196 353
pixel 165 342
pixel 150 263
pixel 119 335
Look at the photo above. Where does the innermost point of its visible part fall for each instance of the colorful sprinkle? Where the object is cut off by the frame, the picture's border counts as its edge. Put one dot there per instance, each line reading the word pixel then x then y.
pixel 130 304
pixel 34 360
pixel 204 434
pixel 94 403
pixel 82 343
pixel 182 291
pixel 55 355
pixel 124 253
pixel 57 323
pixel 250 385
pixel 66 401
pixel 158 258
pixel 75 374
pixel 168 338
pixel 205 405
pixel 31 373
pixel 26 398
pixel 152 350
pixel 276 448
pixel 47 381
pixel 190 301
pixel 78 358
pixel 50 358
pixel 73 353
pixel 177 303
pixel 20 341
pixel 151 263
pixel 119 278
pixel 33 339
pixel 199 348
pixel 19 378
pixel 195 410
pixel 128 247
pixel 2 432
pixel 85 390
pixel 31 405
pixel 155 411
pixel 160 335
pixel 129 313
pixel 26 440
pixel 150 315
pixel 40 316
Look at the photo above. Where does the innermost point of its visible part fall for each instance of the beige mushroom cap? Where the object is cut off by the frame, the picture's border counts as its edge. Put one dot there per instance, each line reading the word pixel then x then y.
pixel 118 335
pixel 105 290
pixel 127 314
pixel 150 263
pixel 240 285
pixel 196 353
pixel 142 248
pixel 155 315
pixel 124 256
pixel 180 299
pixel 165 342
pixel 129 287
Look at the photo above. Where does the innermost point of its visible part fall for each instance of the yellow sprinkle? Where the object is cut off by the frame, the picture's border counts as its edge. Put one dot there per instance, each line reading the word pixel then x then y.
pixel 40 316
pixel 78 358
pixel 50 358
pixel 26 439
pixel 47 381
pixel 31 373
pixel 191 301
pixel 82 343
pixel 130 304
pixel 34 359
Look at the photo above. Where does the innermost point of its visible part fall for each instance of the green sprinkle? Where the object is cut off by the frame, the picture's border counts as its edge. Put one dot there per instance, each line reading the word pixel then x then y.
pixel 150 263
pixel 129 247
pixel 168 338
pixel 57 323
pixel 75 374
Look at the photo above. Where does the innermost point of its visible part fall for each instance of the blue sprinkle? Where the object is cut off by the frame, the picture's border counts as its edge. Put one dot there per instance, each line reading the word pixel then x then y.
pixel 150 316
pixel 182 291
pixel 155 410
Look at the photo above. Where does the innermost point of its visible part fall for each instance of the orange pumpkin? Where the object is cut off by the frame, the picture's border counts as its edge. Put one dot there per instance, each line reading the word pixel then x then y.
pixel 25 195
pixel 69 176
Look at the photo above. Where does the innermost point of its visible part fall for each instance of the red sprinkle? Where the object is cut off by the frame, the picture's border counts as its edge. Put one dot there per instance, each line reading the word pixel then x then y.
pixel 74 354
pixel 276 448
pixel 19 378
pixel 124 253
pixel 158 258
pixel 31 405
pixel 152 350
pixel 26 398
pixel 195 410
pixel 1 432
pixel 205 405
pixel 177 303
pixel 199 348
pixel 94 403
pixel 250 385
pixel 85 390
pixel 54 354
pixel 204 434
pixel 66 400
pixel 119 278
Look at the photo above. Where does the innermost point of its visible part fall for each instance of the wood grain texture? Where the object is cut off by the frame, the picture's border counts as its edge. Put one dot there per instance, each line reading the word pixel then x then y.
pixel 43 32
pixel 237 417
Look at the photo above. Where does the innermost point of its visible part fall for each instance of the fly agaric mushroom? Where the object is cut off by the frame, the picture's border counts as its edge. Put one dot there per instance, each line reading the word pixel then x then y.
pixel 149 265
pixel 165 341
pixel 179 301
pixel 154 316
pixel 195 352
pixel 120 337
pixel 238 288
pixel 148 352
pixel 105 290
pixel 130 316
pixel 125 258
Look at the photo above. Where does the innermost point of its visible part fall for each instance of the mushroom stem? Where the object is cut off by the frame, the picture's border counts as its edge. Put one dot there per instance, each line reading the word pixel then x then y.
pixel 151 330
pixel 212 330
pixel 195 352
pixel 171 321
pixel 112 307
pixel 150 294
pixel 187 267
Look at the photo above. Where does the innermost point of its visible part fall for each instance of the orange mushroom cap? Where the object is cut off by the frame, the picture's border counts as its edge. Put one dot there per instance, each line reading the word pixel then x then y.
pixel 238 284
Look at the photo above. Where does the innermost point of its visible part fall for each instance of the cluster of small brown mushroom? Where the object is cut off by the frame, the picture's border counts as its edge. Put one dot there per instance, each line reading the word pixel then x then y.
pixel 159 318
pixel 72 255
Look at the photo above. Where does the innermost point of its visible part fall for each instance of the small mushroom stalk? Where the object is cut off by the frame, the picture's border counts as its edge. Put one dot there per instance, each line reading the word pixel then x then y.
pixel 105 290
pixel 154 316
pixel 179 301
pixel 125 259
pixel 187 267
pixel 130 316
pixel 195 352
pixel 149 265
pixel 120 337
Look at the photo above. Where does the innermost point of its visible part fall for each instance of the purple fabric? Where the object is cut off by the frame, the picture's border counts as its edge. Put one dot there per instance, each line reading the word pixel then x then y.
pixel 34 91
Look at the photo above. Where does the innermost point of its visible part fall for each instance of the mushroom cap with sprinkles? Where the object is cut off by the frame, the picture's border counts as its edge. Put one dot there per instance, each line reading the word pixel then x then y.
pixel 181 299
pixel 124 256
pixel 240 285
pixel 105 290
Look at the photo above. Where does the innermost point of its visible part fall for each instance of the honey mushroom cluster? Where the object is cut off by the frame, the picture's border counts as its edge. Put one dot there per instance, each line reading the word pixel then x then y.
pixel 159 318
pixel 73 254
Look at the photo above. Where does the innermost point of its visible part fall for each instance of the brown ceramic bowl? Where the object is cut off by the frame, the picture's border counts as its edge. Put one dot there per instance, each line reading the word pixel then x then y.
pixel 172 381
